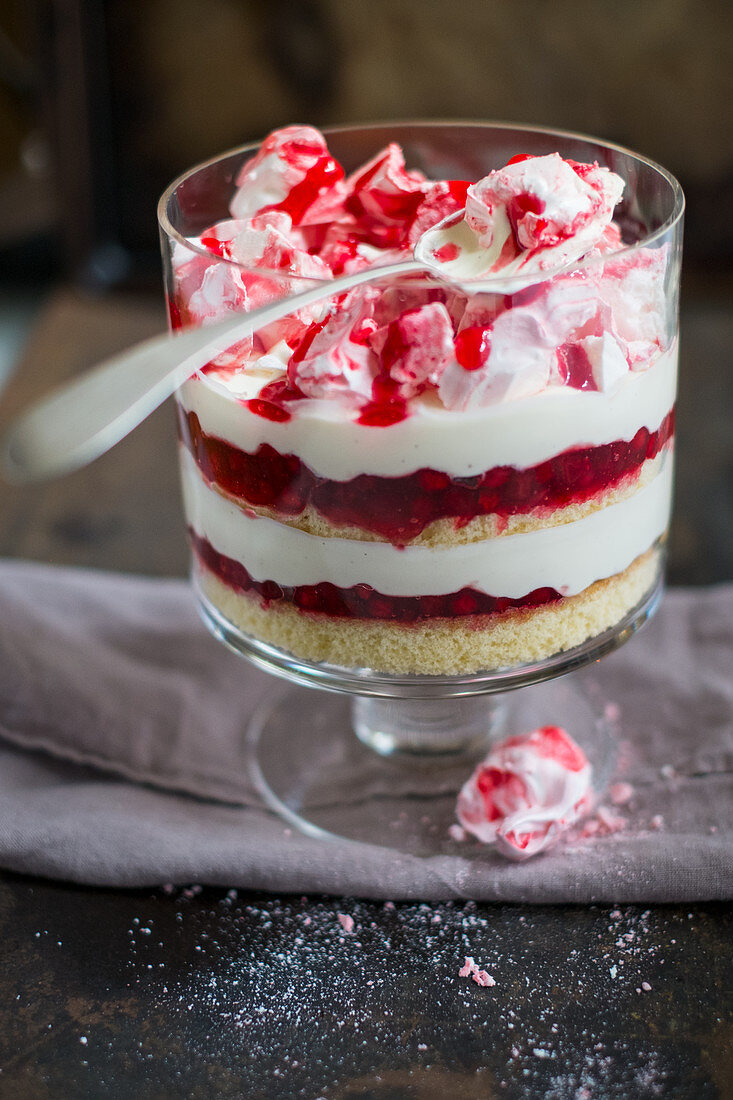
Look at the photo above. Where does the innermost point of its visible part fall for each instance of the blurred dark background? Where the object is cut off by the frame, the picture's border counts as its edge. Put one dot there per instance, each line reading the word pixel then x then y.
pixel 103 102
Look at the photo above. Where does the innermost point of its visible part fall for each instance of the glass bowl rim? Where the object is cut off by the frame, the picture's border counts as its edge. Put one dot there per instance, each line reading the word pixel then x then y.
pixel 306 281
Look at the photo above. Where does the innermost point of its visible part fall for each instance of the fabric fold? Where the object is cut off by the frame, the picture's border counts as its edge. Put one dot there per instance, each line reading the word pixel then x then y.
pixel 124 761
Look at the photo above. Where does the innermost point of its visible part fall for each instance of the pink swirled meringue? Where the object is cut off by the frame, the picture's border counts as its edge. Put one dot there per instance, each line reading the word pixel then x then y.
pixel 337 356
pixel 526 792
pixel 415 345
pixel 293 172
pixel 534 215
pixel 556 210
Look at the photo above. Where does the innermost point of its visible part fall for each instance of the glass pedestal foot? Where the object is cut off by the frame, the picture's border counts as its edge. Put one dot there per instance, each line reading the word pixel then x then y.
pixel 314 762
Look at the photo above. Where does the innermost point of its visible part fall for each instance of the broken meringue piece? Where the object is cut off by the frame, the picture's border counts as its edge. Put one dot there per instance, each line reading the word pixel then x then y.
pixel 526 792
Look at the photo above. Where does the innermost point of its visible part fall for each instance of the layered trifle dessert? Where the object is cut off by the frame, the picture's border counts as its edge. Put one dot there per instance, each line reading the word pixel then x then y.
pixel 430 474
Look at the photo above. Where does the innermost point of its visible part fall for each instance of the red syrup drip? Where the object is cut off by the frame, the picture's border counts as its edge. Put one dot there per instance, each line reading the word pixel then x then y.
pixel 386 407
pixel 342 252
pixel 174 314
pixel 361 601
pixel 401 206
pixel 575 367
pixel 397 208
pixel 473 346
pixel 305 343
pixel 524 297
pixel 397 204
pixel 447 252
pixel 273 399
pixel 399 508
pixel 319 178
pixel 458 190
pixel 525 204
pixel 213 244
pixel 382 414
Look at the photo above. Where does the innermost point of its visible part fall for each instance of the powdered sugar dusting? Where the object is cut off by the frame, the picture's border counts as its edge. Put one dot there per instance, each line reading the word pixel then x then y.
pixel 275 995
pixel 295 967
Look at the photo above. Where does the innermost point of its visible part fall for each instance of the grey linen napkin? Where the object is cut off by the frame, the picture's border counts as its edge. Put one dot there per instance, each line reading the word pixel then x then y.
pixel 123 761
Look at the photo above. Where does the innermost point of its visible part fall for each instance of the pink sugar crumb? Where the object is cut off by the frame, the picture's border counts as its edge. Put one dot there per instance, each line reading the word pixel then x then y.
pixel 612 712
pixel 457 833
pixel 468 968
pixel 620 793
pixel 346 922
pixel 657 822
pixel 471 970
pixel 610 822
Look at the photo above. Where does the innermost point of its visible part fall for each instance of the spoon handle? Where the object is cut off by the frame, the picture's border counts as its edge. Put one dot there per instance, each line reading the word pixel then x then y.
pixel 84 418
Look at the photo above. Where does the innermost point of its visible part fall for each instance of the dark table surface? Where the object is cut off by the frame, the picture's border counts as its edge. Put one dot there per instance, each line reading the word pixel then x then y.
pixel 203 993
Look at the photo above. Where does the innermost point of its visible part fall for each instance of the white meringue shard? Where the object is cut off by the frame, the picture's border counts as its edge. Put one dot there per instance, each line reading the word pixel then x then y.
pixel 607 360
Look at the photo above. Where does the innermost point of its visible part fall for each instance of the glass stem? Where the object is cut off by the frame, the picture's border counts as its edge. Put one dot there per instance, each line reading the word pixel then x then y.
pixel 427 726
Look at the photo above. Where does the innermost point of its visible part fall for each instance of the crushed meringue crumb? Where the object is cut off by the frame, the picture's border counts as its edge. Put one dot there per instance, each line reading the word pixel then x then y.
pixel 468 967
pixel 471 969
pixel 620 793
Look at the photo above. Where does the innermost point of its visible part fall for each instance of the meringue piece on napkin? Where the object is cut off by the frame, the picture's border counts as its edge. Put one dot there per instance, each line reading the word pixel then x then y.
pixel 526 792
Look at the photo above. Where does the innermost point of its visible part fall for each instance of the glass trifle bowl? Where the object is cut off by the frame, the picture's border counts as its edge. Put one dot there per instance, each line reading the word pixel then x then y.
pixel 431 490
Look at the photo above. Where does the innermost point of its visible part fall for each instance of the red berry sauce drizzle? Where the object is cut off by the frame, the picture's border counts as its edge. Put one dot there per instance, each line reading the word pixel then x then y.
pixel 318 179
pixel 361 601
pixel 399 508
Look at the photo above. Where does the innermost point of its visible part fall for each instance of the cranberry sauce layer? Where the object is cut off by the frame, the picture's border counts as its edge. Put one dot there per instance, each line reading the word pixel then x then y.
pixel 398 509
pixel 361 601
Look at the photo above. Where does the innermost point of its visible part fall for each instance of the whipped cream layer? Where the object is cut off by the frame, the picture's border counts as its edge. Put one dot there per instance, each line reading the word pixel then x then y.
pixel 328 439
pixel 567 558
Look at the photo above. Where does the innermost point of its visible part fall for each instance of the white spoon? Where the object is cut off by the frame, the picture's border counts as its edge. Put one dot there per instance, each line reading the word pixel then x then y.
pixel 84 418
